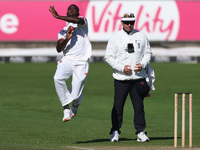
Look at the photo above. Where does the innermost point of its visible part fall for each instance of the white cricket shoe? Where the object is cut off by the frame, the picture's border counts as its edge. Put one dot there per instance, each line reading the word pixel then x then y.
pixel 67 115
pixel 114 137
pixel 74 110
pixel 142 137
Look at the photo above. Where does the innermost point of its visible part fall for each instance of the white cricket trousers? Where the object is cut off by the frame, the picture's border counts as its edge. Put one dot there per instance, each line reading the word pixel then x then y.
pixel 65 69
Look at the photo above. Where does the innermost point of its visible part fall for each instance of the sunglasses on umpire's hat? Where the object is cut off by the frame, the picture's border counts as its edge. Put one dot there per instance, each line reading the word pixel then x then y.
pixel 128 17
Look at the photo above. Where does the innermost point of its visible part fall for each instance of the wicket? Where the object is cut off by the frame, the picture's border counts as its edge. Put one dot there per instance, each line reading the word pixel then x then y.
pixel 183 118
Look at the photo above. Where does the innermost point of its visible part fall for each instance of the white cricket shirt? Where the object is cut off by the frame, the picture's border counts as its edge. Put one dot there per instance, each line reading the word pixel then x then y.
pixel 117 55
pixel 79 46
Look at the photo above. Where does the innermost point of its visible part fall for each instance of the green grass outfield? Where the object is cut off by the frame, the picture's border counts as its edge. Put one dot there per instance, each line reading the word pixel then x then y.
pixel 31 114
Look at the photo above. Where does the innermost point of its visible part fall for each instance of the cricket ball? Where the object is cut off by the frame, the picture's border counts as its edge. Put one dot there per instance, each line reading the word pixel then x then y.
pixel 71 28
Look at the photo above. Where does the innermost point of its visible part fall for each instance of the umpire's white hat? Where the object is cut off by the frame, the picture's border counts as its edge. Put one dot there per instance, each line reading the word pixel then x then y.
pixel 128 16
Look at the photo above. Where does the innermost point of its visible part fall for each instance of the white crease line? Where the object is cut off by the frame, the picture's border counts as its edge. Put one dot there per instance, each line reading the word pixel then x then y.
pixel 80 148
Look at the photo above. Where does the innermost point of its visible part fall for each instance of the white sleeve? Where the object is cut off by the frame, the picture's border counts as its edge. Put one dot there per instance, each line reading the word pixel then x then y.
pixel 147 53
pixel 110 56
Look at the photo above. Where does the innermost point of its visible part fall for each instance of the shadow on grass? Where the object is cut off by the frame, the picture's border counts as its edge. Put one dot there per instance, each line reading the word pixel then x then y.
pixel 102 140
pixel 161 138
pixel 124 139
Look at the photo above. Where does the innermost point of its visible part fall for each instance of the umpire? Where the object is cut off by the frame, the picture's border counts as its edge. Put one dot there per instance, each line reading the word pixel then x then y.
pixel 128 52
